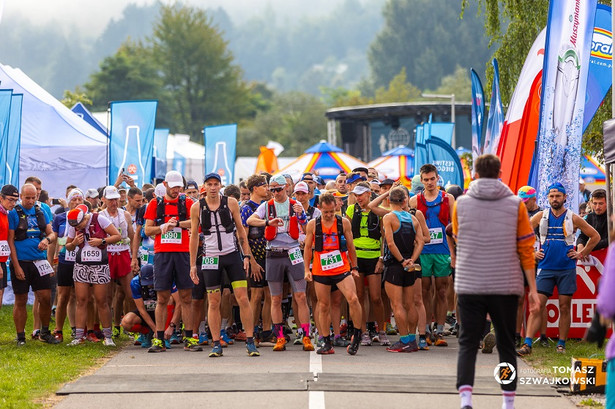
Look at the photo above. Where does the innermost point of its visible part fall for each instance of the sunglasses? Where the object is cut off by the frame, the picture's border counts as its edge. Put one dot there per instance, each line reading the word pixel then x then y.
pixel 276 189
pixel 261 184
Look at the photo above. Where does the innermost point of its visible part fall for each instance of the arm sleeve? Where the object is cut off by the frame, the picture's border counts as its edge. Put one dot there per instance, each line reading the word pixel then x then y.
pixel 525 239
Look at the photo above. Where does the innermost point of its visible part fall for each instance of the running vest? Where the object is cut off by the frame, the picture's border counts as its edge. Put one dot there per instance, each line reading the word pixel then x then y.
pixel 567 226
pixel 218 228
pixel 253 231
pixel 330 256
pixel 403 238
pixel 437 217
pixel 87 254
pixel 124 242
pixel 182 211
pixel 21 232
pixel 557 239
pixel 373 224
pixel 444 212
pixel 271 232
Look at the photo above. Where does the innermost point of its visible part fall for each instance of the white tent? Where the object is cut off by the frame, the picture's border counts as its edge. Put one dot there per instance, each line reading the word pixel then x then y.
pixel 56 145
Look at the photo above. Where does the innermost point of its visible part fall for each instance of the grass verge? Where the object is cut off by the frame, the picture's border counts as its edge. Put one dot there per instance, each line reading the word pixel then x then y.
pixel 32 373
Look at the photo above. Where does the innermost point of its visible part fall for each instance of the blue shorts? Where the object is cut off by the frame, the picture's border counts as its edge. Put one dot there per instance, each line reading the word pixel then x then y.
pixel 565 280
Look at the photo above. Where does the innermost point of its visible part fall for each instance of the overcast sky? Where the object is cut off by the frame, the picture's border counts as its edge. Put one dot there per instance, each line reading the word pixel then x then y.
pixel 91 16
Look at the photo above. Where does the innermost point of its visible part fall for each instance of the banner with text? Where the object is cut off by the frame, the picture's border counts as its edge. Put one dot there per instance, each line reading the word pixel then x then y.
pixel 220 147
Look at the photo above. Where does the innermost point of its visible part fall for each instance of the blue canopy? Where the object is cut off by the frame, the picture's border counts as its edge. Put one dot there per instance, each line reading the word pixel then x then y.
pixel 399 151
pixel 87 116
pixel 323 146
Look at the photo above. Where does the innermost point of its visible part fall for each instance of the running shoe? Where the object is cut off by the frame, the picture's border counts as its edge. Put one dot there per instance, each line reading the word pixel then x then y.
pixel 440 341
pixel 251 349
pixel 384 340
pixel 268 340
pixel 176 337
pixel 390 329
pixel 430 337
pixel 240 336
pixel 49 338
pixel 411 346
pixel 59 336
pixel 203 339
pixel 353 348
pixel 298 340
pixel 307 344
pixel 108 342
pixel 21 342
pixel 423 344
pixel 192 345
pixel 343 329
pixel 73 332
pixel 326 349
pixel 157 346
pixel 518 341
pixel 320 341
pixel 280 344
pixel 396 347
pixel 91 336
pixel 488 343
pixel 139 340
pixel 216 351
pixel 146 340
pixel 524 350
pixel 167 343
pixel 544 341
pixel 340 342
pixel 74 342
pixel 226 338
pixel 366 340
pixel 374 336
pixel 36 334
pixel 116 332
pixel 560 349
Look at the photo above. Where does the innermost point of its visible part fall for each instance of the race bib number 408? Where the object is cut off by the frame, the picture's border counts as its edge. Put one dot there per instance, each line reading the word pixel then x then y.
pixel 210 263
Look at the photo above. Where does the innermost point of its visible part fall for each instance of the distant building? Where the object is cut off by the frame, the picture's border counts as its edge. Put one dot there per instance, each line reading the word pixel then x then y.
pixel 366 131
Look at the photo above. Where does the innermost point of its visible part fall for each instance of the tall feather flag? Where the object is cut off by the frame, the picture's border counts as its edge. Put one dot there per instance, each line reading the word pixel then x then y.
pixel 495 120
pixel 478 113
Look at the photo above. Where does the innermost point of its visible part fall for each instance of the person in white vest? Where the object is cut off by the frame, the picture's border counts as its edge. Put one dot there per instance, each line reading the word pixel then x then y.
pixel 494 250
pixel 557 265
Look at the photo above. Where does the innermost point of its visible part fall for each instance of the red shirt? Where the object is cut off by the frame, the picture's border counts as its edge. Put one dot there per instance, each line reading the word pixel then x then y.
pixel 170 211
pixel 4 233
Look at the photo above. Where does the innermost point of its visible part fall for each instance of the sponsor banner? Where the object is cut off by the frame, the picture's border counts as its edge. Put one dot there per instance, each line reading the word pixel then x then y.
pixel 220 146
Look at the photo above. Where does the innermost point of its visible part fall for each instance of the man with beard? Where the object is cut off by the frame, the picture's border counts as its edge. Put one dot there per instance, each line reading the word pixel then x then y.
pixel 557 262
pixel 598 219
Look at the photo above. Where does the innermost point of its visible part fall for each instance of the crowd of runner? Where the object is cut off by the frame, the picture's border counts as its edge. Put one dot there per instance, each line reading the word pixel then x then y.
pixel 272 261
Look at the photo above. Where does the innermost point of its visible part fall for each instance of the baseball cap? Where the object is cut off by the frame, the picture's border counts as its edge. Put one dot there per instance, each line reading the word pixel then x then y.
pixel 387 181
pixel 279 179
pixel 174 179
pixel 360 169
pixel 10 191
pixel 526 193
pixel 91 193
pixel 375 182
pixel 76 215
pixel 305 175
pixel 355 178
pixel 359 190
pixel 302 187
pixel 319 180
pixel 111 193
pixel 557 186
pixel 160 190
pixel 192 185
pixel 213 175
pixel 146 275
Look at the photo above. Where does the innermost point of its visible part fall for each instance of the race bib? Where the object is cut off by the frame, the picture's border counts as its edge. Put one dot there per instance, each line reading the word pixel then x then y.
pixel 172 236
pixel 70 255
pixel 295 255
pixel 437 236
pixel 43 267
pixel 210 263
pixel 144 256
pixel 150 305
pixel 91 255
pixel 331 260
pixel 5 250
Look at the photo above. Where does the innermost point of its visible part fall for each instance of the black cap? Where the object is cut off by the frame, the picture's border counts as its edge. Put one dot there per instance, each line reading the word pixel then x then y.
pixel 192 184
pixel 10 191
pixel 360 169
pixel 387 182
pixel 213 175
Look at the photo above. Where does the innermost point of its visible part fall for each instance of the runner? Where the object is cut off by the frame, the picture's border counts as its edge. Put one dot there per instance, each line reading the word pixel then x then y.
pixel 88 235
pixel 168 219
pixel 332 249
pixel 281 218
pixel 8 199
pixel 219 219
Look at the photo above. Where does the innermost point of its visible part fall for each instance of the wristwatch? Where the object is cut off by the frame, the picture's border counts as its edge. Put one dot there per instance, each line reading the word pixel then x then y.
pixel 172 325
pixel 354 268
pixel 247 256
pixel 48 240
pixel 104 242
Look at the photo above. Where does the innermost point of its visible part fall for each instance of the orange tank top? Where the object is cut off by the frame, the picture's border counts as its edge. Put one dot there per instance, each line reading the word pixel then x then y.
pixel 331 261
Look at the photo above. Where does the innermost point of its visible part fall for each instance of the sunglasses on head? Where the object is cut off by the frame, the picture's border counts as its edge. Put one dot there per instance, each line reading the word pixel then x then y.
pixel 261 184
pixel 276 189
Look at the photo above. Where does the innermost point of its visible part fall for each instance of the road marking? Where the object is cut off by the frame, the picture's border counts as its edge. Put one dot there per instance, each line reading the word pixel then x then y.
pixel 316 400
pixel 315 364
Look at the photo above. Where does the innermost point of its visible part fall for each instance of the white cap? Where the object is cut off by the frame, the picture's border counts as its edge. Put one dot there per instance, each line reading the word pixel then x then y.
pixel 359 190
pixel 174 179
pixel 160 190
pixel 302 187
pixel 111 193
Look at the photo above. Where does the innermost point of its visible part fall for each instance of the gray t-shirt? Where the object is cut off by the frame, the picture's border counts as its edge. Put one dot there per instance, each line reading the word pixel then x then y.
pixel 282 240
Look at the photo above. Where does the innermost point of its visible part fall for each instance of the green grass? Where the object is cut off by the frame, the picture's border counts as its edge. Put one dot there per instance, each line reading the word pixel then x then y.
pixel 30 374
pixel 546 358
pixel 591 403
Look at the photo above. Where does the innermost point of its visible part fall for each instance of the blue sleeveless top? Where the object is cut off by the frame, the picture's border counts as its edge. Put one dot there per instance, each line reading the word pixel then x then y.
pixel 437 230
pixel 555 246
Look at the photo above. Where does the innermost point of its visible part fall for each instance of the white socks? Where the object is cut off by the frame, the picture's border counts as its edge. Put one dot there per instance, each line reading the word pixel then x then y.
pixel 508 399
pixel 465 393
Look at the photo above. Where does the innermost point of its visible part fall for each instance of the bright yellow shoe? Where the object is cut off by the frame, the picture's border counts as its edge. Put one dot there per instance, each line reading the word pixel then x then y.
pixel 307 344
pixel 280 344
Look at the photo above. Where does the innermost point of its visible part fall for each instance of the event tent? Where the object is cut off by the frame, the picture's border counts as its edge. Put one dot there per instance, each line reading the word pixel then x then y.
pixel 325 158
pixel 592 171
pixel 56 145
pixel 395 164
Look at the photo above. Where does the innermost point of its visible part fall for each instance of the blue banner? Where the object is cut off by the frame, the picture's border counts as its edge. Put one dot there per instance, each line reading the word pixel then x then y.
pixel 87 116
pixel 220 151
pixel 11 174
pixel 600 63
pixel 420 153
pixel 132 139
pixel 495 119
pixel 564 78
pixel 443 131
pixel 179 163
pixel 160 153
pixel 478 114
pixel 6 96
pixel 445 159
pixel 420 135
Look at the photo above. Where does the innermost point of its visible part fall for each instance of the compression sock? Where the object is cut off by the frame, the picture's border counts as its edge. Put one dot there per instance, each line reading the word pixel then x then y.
pixel 439 329
pixel 465 393
pixel 528 341
pixel 249 340
pixel 411 337
pixel 561 342
pixel 202 327
pixel 237 317
pixel 79 332
pixel 508 399
pixel 278 330
pixel 405 339
pixel 21 336
pixel 107 332
pixel 306 329
pixel 188 333
pixel 160 335
pixel 224 323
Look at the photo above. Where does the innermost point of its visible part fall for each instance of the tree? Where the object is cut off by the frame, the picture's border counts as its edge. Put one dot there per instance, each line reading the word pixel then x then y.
pixel 72 97
pixel 399 90
pixel 429 39
pixel 197 69
pixel 457 83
